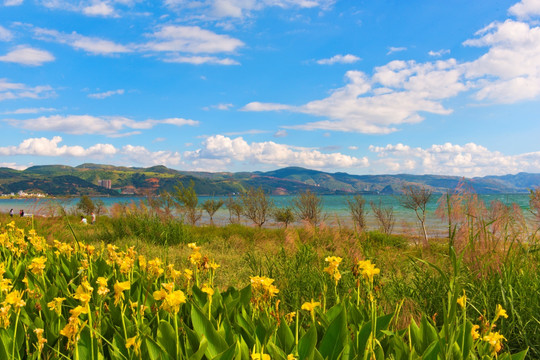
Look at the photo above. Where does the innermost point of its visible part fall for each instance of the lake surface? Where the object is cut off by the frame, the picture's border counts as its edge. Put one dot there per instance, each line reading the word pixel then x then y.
pixel 335 206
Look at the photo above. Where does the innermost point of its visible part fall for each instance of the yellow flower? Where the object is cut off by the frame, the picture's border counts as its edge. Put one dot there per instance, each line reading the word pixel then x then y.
pixel 474 332
pixel 135 343
pixel 188 274
pixel 368 270
pixel 119 289
pixel 258 356
pixel 154 267
pixel 462 300
pixel 5 285
pixel 56 304
pixel 291 357
pixel 495 340
pixel 84 293
pixel 499 311
pixel 5 316
pixel 102 286
pixel 290 317
pixel 310 306
pixel 40 338
pixel 208 290
pixel 173 301
pixel 194 247
pixel 15 298
pixel 333 260
pixel 38 265
pixel 213 265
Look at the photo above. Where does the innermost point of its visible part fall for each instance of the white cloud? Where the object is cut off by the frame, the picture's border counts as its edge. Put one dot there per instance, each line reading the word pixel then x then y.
pixel 222 106
pixel 5 34
pixel 243 8
pixel 142 155
pixel 191 39
pixel 50 147
pixel 280 133
pixel 92 45
pixel 14 166
pixel 26 55
pixel 87 124
pixel 220 151
pixel 199 60
pixel 438 53
pixel 396 94
pixel 449 159
pixel 12 2
pixel 106 94
pixel 393 49
pixel 510 70
pixel 339 59
pixel 352 147
pixel 525 9
pixel 28 111
pixel 11 91
pixel 99 8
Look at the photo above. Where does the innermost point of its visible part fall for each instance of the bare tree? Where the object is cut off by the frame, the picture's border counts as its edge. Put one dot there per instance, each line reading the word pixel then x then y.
pixel 308 207
pixel 384 216
pixel 235 209
pixel 357 210
pixel 256 205
pixel 211 206
pixel 416 198
pixel 284 215
pixel 187 200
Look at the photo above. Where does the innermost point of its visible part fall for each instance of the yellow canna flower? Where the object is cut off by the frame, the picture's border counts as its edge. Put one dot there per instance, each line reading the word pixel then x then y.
pixel 310 306
pixel 5 315
pixel 495 340
pixel 368 270
pixel 172 301
pixel 208 290
pixel 56 304
pixel 159 295
pixel 462 300
pixel 15 298
pixel 499 311
pixel 119 289
pixel 194 247
pixel 102 286
pixel 290 317
pixel 258 356
pixel 291 357
pixel 41 340
pixel 188 274
pixel 135 343
pixel 38 265
pixel 474 332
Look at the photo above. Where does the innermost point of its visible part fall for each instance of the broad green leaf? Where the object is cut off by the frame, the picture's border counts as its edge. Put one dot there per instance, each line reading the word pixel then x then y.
pixel 228 354
pixel 200 352
pixel 285 337
pixel 154 350
pixel 307 344
pixel 216 343
pixel 432 351
pixel 335 337
pixel 520 355
pixel 166 338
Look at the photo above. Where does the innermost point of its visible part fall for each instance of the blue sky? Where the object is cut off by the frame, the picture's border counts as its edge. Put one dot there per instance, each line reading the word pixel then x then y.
pixel 365 87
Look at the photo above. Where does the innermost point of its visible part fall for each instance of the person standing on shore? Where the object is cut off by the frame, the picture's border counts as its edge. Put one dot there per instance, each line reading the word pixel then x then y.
pixel 83 220
pixel 11 212
pixel 93 218
pixel 21 213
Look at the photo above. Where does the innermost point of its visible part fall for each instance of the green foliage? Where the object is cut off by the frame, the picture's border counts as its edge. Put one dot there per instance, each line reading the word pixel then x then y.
pixel 284 216
pixel 308 207
pixel 211 206
pixel 187 199
pixel 256 205
pixel 86 205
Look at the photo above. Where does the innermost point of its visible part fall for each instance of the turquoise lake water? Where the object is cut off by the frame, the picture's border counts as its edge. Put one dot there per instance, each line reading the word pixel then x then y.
pixel 335 207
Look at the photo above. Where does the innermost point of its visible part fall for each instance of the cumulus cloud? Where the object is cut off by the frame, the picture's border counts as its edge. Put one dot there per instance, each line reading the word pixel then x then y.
pixel 510 70
pixel 450 159
pixel 394 95
pixel 5 34
pixel 222 106
pixel 141 155
pixel 28 111
pixel 280 133
pixel 11 91
pixel 92 45
pixel 339 59
pixel 394 49
pixel 438 53
pixel 106 94
pixel 243 8
pixel 99 8
pixel 219 151
pixel 50 147
pixel 26 55
pixel 14 166
pixel 87 124
pixel 199 60
pixel 525 9
pixel 12 2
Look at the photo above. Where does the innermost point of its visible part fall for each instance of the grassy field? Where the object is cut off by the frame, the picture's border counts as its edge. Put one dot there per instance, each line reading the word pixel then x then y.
pixel 410 309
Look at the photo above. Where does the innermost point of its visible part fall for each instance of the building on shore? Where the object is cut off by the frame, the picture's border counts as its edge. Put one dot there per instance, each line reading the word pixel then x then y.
pixel 105 183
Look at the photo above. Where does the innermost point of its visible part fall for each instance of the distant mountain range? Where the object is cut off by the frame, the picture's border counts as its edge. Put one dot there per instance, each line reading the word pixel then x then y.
pixel 61 180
